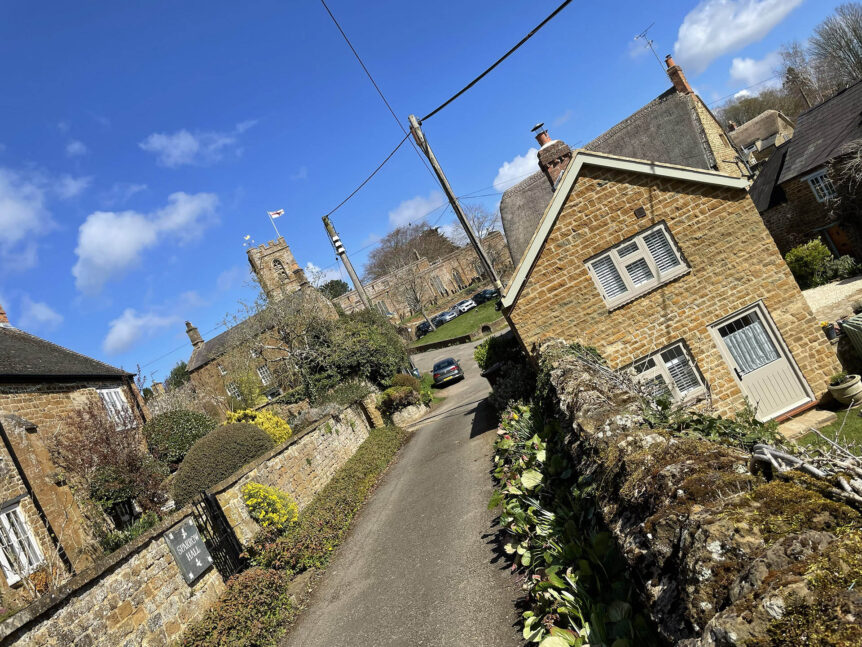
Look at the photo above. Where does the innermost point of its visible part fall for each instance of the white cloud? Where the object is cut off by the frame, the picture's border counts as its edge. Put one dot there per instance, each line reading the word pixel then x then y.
pixel 130 327
pixel 67 186
pixel 742 94
pixel 415 209
pixel 37 315
pixel 563 118
pixel 198 148
pixel 318 276
pixel 718 27
pixel 121 192
pixel 23 216
pixel 510 173
pixel 751 72
pixel 75 148
pixel 111 243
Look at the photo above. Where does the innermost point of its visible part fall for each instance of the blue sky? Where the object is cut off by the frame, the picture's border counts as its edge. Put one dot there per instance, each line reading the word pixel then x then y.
pixel 139 142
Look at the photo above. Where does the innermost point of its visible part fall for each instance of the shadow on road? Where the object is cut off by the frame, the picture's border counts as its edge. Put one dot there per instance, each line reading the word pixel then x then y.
pixel 485 420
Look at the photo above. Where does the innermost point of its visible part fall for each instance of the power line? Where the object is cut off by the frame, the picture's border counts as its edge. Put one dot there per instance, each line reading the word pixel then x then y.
pixel 171 352
pixel 498 61
pixel 732 94
pixel 376 87
pixel 366 180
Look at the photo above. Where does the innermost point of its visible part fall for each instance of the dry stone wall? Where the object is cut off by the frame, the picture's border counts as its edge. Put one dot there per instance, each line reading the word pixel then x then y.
pixel 137 595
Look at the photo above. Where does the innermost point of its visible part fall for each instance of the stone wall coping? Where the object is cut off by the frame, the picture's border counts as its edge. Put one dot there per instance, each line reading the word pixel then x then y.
pixel 91 574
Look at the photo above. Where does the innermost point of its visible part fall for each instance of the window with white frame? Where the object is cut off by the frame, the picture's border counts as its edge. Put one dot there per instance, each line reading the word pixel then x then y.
pixel 118 409
pixel 821 185
pixel 265 374
pixel 637 265
pixel 221 369
pixel 233 390
pixel 19 550
pixel 671 371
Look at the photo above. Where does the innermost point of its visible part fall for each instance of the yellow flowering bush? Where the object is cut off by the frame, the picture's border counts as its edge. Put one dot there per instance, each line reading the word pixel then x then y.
pixel 277 428
pixel 269 506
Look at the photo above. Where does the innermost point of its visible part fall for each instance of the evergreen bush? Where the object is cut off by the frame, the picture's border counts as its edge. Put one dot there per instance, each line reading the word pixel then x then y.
pixel 170 435
pixel 277 428
pixel 396 398
pixel 808 263
pixel 216 456
pixel 402 379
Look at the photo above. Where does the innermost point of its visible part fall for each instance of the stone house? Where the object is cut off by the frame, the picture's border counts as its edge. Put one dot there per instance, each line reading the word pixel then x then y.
pixel 759 137
pixel 41 385
pixel 442 278
pixel 676 127
pixel 795 193
pixel 671 272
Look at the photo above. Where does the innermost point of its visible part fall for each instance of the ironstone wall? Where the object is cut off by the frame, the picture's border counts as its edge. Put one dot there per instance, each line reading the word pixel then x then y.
pixel 137 596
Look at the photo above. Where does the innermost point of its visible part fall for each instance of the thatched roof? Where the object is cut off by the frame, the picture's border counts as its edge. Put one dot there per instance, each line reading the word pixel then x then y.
pixel 764 126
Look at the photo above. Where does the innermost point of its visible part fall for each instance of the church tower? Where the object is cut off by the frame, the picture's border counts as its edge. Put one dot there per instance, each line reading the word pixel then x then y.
pixel 276 269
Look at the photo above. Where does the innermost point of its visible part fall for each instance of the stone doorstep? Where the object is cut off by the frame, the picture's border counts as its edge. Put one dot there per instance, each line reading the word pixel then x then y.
pixel 800 425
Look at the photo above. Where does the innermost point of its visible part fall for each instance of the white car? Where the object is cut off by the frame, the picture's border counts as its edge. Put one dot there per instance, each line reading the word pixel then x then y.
pixel 465 305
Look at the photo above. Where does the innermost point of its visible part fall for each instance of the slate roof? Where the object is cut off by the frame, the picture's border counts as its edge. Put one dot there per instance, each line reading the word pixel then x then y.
pixel 26 357
pixel 764 192
pixel 665 130
pixel 822 131
pixel 220 344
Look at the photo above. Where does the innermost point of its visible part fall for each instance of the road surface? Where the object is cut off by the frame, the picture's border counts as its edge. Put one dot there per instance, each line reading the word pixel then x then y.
pixel 420 566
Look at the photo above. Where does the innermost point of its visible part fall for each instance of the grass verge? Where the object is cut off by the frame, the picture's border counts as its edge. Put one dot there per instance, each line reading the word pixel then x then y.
pixel 463 325
pixel 255 609
pixel 847 431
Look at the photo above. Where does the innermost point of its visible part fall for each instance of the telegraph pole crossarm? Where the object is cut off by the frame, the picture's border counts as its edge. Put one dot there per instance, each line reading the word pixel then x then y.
pixel 419 136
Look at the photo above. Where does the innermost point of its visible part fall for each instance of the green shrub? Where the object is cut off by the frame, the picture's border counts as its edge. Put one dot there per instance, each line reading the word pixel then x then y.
pixel 277 428
pixel 324 522
pixel 364 345
pixel 269 506
pixel 252 611
pixel 216 456
pixel 170 435
pixel 396 398
pixel 515 382
pixel 346 393
pixel 402 379
pixel 497 349
pixel 808 263
pixel 842 268
pixel 117 538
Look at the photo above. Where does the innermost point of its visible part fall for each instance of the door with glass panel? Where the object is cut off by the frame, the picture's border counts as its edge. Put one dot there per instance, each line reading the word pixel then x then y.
pixel 764 369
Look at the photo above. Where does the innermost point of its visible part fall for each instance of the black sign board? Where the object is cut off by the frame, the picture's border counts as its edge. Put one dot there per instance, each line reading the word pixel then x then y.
pixel 189 550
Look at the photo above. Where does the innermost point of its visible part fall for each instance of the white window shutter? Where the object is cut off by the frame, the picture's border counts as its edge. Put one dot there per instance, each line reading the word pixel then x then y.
pixel 608 276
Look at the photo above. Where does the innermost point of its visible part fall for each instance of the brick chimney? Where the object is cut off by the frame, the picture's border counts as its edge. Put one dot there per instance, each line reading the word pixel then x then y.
pixel 194 335
pixel 554 156
pixel 4 320
pixel 674 71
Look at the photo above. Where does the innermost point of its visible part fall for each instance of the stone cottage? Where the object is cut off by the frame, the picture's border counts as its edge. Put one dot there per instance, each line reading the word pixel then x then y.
pixel 670 271
pixel 41 384
pixel 759 137
pixel 676 127
pixel 795 191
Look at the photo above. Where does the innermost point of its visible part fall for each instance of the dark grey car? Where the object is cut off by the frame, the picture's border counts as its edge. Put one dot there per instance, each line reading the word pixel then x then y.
pixel 446 370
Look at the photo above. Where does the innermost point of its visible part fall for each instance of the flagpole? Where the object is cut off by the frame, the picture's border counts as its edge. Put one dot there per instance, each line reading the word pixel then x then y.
pixel 278 235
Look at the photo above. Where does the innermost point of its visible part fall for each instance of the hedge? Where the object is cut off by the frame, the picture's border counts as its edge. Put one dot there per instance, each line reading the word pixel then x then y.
pixel 216 456
pixel 170 435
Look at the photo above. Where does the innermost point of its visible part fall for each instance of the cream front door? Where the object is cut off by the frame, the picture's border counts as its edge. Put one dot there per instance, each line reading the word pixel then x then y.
pixel 763 367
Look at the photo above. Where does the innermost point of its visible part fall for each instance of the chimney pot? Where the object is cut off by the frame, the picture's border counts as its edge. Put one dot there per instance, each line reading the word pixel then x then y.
pixel 194 335
pixel 674 71
pixel 542 135
pixel 4 320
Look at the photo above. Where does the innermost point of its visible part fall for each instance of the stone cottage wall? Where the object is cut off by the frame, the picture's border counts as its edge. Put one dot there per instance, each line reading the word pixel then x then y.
pixel 733 261
pixel 137 596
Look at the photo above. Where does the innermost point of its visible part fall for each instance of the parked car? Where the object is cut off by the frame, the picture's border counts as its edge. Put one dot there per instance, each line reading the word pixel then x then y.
pixel 444 317
pixel 446 370
pixel 465 305
pixel 485 295
pixel 423 329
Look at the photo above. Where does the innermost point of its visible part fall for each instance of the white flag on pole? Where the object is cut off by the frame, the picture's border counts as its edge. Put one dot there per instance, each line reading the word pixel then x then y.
pixel 276 214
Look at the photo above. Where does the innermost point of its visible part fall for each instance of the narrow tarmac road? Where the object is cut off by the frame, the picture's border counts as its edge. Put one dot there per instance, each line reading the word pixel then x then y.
pixel 420 566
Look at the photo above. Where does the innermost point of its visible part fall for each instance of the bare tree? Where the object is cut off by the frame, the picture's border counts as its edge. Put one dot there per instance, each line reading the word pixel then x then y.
pixel 845 171
pixel 837 42
pixel 401 245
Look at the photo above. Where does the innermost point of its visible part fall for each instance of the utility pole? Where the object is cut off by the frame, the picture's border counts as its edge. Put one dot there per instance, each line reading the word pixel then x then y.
pixel 419 136
pixel 342 254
